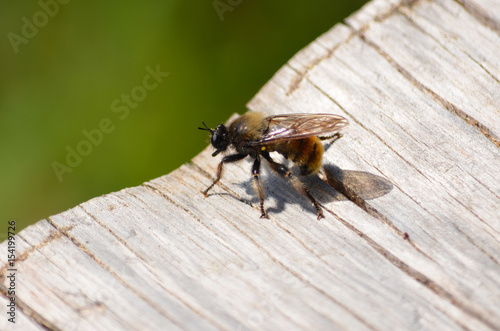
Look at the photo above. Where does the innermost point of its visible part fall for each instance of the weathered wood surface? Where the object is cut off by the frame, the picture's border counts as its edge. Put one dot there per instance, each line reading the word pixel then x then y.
pixel 419 83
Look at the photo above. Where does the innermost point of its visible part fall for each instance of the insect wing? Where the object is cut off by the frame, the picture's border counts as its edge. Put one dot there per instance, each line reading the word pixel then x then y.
pixel 298 126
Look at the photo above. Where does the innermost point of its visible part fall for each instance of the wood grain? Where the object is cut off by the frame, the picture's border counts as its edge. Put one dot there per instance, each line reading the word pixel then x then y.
pixel 411 194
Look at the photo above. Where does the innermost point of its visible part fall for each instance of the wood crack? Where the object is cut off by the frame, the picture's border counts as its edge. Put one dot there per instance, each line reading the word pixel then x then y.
pixel 198 312
pixel 421 278
pixel 301 74
pixel 35 316
pixel 352 196
pixel 480 15
pixel 191 214
pixel 446 104
pixel 201 171
pixel 103 265
pixel 357 316
pixel 393 259
pixel 27 252
pixel 405 14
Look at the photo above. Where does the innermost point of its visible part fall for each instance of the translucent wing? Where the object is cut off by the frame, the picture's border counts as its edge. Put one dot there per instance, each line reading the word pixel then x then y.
pixel 298 126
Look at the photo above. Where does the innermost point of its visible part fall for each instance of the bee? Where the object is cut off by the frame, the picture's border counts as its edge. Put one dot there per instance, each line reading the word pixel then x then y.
pixel 295 136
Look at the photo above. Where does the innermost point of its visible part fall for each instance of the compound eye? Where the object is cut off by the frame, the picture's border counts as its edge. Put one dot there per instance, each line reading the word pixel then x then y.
pixel 215 139
pixel 220 138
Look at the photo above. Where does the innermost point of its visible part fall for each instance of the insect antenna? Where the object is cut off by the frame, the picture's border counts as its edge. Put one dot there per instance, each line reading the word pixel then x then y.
pixel 206 128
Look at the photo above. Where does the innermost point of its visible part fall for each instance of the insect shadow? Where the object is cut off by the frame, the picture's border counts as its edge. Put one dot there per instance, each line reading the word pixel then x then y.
pixel 356 184
pixel 330 185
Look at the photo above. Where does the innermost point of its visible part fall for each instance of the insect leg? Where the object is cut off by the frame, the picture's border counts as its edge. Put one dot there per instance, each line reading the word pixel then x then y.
pixel 299 186
pixel 336 136
pixel 258 186
pixel 333 138
pixel 225 159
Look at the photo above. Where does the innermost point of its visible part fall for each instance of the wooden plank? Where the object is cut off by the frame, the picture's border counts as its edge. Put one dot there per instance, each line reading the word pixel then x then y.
pixel 474 96
pixel 411 194
pixel 485 11
pixel 23 322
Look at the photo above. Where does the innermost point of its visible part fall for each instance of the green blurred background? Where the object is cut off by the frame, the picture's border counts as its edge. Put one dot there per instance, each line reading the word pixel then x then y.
pixel 65 76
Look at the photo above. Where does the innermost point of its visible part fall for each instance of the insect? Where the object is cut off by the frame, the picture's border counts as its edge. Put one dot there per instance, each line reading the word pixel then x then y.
pixel 295 136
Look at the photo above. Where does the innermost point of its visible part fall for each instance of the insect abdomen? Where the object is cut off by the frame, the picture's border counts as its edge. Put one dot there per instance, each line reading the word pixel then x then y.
pixel 306 153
